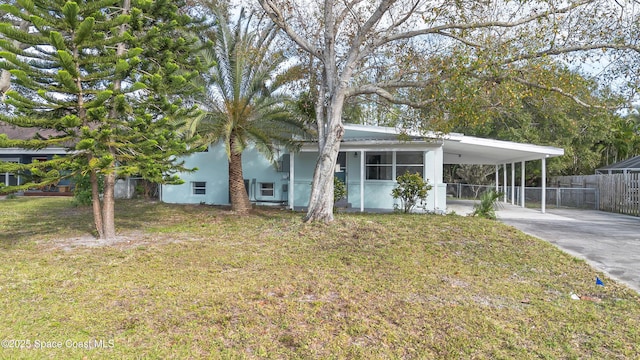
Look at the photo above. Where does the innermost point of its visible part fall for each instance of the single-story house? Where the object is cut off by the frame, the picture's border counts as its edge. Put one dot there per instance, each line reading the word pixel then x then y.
pixel 26 156
pixel 370 158
pixel 125 188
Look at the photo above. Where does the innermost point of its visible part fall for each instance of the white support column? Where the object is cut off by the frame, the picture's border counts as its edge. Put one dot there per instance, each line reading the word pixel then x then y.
pixel 292 169
pixel 544 185
pixel 362 176
pixel 505 185
pixel 513 183
pixel 497 179
pixel 522 184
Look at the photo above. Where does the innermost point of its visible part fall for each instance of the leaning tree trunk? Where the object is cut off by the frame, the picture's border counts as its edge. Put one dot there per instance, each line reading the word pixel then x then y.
pixel 239 197
pixel 321 200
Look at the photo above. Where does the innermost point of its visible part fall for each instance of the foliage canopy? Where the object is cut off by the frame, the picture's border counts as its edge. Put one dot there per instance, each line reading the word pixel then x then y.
pixel 102 80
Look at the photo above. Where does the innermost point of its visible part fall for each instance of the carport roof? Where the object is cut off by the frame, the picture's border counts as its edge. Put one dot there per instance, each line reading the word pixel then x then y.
pixel 462 149
pixel 457 148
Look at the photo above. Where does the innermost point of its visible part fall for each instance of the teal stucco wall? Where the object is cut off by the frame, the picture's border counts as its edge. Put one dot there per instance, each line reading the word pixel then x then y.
pixel 213 170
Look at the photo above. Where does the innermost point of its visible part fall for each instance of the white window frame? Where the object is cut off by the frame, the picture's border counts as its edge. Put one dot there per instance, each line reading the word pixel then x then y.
pixel 387 166
pixel 420 165
pixel 267 189
pixel 199 187
pixel 4 177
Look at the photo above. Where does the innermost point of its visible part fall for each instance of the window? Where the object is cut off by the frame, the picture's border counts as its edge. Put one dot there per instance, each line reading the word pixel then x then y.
pixel 410 161
pixel 379 165
pixel 199 187
pixel 266 189
pixel 8 178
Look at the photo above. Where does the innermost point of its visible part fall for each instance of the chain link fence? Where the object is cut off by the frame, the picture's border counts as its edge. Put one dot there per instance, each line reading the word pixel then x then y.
pixel 559 197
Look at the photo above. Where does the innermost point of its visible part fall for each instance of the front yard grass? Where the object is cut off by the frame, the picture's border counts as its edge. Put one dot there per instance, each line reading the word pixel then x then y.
pixel 190 282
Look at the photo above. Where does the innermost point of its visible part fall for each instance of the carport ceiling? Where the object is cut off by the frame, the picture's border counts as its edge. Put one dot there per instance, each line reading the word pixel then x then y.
pixel 461 149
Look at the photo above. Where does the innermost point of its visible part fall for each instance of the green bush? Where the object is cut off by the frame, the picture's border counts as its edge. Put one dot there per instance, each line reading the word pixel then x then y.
pixel 82 190
pixel 339 189
pixel 411 189
pixel 486 208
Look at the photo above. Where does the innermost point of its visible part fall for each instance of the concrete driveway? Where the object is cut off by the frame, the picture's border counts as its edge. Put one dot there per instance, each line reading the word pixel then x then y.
pixel 608 242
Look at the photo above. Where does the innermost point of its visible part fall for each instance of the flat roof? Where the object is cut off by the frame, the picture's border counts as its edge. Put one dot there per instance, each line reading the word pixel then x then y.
pixel 457 148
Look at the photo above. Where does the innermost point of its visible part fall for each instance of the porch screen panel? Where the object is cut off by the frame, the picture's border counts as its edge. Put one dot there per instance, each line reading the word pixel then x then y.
pixel 379 165
pixel 409 161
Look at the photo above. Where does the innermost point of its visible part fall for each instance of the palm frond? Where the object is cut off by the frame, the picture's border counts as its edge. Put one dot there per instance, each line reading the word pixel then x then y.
pixel 243 102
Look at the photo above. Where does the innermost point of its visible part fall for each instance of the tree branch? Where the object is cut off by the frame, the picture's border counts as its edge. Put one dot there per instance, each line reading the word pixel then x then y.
pixel 477 25
pixel 375 89
pixel 274 13
pixel 355 52
pixel 555 89
pixel 570 49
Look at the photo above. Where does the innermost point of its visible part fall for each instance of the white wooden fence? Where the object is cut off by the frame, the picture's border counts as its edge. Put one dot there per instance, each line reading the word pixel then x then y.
pixel 619 193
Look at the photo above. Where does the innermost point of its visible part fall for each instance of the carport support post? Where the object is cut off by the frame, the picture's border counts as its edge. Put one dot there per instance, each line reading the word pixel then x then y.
pixel 544 185
pixel 497 180
pixel 522 169
pixel 505 184
pixel 513 183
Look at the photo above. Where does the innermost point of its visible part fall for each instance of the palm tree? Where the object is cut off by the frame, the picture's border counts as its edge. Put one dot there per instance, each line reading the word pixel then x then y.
pixel 244 99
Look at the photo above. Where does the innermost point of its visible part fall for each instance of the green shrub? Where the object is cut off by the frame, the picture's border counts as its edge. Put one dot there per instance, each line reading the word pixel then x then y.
pixel 339 189
pixel 82 189
pixel 486 208
pixel 410 189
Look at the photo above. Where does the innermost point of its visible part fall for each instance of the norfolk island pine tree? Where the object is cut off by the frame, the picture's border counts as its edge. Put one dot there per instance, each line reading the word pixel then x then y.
pixel 106 78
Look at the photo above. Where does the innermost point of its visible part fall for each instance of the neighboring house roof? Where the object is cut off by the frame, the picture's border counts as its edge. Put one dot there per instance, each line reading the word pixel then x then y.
pixel 631 164
pixel 19 133
pixel 457 148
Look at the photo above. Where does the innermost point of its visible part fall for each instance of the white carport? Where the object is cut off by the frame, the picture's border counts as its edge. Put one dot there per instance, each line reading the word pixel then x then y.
pixel 439 150
pixel 461 149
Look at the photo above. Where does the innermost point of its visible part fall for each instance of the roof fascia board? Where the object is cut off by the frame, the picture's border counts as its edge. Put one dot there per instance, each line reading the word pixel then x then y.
pixel 377 145
pixel 508 145
pixel 393 131
pixel 20 151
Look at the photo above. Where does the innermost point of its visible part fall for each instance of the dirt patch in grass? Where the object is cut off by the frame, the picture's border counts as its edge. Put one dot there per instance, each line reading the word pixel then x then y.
pixel 90 241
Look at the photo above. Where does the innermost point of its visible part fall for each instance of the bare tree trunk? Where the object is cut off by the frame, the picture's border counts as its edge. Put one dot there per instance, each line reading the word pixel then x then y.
pixel 239 197
pixel 321 199
pixel 108 202
pixel 95 202
pixel 108 207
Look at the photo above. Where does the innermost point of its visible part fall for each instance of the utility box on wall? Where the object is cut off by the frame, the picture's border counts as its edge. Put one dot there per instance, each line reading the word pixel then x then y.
pixel 284 162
